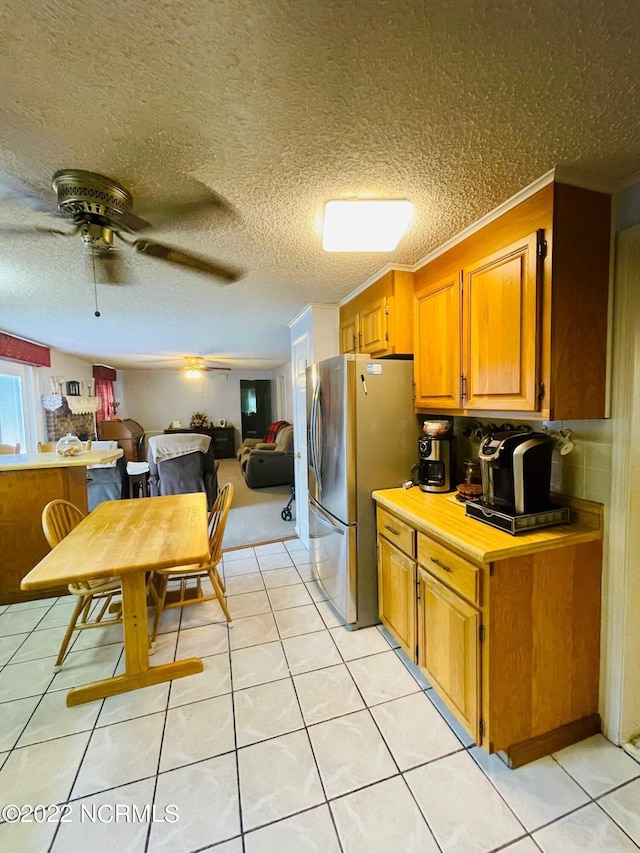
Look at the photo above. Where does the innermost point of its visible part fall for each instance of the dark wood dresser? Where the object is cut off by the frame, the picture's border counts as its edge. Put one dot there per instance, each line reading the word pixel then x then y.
pixel 223 439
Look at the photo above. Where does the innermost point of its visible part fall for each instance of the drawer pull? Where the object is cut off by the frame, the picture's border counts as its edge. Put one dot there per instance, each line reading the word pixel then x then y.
pixel 442 565
pixel 391 530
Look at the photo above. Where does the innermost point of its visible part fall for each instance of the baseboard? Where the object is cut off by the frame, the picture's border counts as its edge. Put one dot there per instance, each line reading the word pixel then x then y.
pixel 529 750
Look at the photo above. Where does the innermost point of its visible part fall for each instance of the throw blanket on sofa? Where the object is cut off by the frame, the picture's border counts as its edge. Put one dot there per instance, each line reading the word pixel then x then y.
pixel 170 446
pixel 273 430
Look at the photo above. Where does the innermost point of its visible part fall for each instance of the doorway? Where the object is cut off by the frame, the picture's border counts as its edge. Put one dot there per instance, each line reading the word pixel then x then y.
pixel 255 407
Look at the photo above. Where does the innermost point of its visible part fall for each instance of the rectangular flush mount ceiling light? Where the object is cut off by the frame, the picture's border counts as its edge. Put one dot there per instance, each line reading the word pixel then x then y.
pixel 365 225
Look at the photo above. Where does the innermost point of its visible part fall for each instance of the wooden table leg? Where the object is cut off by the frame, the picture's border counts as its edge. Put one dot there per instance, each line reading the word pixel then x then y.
pixel 137 673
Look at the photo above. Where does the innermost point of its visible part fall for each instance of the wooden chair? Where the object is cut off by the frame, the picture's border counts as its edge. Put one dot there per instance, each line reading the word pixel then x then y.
pixel 59 517
pixel 9 448
pixel 186 581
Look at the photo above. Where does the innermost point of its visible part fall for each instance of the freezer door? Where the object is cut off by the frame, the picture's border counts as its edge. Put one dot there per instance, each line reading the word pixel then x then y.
pixel 331 436
pixel 332 548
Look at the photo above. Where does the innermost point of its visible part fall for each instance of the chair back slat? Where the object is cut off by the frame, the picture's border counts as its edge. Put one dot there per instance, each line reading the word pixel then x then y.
pixel 59 517
pixel 218 522
pixel 9 448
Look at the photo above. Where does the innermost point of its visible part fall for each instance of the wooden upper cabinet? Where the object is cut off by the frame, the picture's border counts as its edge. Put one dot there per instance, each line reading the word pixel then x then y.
pixel 535 284
pixel 437 344
pixel 500 322
pixel 379 321
pixel 374 334
pixel 349 335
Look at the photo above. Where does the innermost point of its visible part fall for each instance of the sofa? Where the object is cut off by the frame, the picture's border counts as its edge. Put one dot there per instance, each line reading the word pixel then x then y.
pixel 269 464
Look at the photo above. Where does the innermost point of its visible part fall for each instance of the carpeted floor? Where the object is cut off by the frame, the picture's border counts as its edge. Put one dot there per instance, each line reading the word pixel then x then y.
pixel 255 514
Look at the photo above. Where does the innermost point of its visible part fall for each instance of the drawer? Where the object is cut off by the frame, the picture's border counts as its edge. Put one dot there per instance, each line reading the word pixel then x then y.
pixel 392 528
pixel 456 572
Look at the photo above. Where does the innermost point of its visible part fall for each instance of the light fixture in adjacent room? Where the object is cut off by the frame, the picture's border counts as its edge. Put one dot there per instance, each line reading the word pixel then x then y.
pixel 365 225
pixel 194 367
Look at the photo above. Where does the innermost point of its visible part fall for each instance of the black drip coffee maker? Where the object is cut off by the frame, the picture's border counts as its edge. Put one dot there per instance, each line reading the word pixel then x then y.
pixel 436 456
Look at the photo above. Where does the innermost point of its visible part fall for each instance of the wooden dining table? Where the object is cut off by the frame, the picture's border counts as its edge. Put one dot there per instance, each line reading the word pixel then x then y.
pixel 128 539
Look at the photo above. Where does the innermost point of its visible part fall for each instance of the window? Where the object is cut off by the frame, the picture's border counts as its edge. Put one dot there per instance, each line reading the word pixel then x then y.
pixel 17 405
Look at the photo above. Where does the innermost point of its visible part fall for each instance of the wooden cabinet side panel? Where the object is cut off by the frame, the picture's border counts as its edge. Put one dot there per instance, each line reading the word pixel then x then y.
pixel 580 295
pixel 543 636
pixel 23 496
pixel 401 324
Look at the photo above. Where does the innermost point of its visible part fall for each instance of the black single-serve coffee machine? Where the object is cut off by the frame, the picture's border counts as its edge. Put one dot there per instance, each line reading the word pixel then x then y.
pixel 516 483
pixel 436 460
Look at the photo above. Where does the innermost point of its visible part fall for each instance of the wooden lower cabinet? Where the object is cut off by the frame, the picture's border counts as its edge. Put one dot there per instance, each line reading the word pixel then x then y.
pixel 397 594
pixel 511 645
pixel 449 648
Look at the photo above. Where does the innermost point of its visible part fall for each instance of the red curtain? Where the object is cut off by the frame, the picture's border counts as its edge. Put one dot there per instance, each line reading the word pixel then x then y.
pixel 17 349
pixel 105 377
pixel 104 390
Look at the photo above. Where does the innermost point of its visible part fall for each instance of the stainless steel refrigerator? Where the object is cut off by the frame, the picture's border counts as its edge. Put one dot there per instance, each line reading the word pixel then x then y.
pixel 362 436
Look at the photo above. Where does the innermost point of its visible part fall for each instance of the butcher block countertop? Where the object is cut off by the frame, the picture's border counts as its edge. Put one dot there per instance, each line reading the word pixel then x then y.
pixel 438 516
pixel 32 461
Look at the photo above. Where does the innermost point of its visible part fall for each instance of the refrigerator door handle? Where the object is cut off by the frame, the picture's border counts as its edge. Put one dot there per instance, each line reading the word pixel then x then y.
pixel 314 440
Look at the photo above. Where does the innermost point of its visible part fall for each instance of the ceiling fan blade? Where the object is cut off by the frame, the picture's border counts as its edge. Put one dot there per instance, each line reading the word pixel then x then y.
pixel 30 230
pixel 130 222
pixel 185 259
pixel 108 266
pixel 26 195
pixel 172 213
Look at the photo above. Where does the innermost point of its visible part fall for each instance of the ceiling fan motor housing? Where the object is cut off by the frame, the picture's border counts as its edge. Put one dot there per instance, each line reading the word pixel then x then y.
pixel 83 195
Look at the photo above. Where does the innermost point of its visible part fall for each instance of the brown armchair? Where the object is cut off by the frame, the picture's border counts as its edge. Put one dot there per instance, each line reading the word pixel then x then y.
pixel 270 438
pixel 270 464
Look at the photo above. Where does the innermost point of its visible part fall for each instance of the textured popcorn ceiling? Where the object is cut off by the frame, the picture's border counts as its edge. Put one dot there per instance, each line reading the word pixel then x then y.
pixel 278 106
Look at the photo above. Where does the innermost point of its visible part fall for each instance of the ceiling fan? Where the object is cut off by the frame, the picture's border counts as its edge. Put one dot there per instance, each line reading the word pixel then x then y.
pixel 195 366
pixel 101 209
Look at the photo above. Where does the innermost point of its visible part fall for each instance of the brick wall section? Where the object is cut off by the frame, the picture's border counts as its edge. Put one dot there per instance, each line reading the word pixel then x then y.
pixel 62 421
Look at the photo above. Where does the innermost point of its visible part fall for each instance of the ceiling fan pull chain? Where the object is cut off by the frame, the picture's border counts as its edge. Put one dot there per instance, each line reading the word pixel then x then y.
pixel 95 283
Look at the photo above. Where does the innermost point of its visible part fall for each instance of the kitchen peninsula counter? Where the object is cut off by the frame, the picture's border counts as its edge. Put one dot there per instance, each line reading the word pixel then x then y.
pixel 28 481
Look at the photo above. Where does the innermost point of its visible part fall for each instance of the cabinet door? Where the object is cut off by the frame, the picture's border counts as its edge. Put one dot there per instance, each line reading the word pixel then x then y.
pixel 373 327
pixel 437 363
pixel 397 594
pixel 349 335
pixel 500 329
pixel 449 648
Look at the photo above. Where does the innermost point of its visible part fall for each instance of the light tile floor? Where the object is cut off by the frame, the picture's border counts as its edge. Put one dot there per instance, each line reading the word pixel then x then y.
pixel 298 736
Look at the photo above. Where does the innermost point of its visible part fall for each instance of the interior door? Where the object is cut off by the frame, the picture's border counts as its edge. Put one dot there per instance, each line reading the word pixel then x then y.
pixel 255 407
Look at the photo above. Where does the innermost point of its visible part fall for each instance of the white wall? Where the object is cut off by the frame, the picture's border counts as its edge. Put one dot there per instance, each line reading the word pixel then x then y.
pixel 155 398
